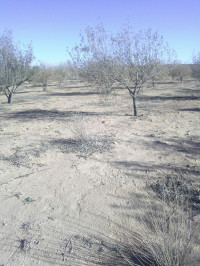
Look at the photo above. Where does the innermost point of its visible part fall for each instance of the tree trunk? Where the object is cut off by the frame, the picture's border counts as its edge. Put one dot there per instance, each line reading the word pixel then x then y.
pixel 9 97
pixel 134 105
pixel 133 95
pixel 44 87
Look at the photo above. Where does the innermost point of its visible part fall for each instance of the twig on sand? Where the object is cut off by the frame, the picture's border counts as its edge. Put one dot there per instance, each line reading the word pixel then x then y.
pixel 22 176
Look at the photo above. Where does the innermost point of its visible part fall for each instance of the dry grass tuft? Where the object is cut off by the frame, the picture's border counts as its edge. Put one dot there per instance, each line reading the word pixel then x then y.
pixel 164 236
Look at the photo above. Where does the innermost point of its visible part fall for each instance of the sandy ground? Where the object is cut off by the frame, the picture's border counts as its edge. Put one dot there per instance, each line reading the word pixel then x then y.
pixel 73 164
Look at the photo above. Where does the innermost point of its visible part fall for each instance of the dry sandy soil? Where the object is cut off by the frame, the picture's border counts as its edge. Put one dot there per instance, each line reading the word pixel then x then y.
pixel 74 165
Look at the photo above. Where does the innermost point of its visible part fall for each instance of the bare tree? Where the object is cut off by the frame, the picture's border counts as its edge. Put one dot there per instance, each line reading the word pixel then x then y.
pixel 62 72
pixel 143 57
pixel 94 58
pixel 126 58
pixel 196 66
pixel 15 64
pixel 184 71
pixel 58 73
pixel 43 75
pixel 180 71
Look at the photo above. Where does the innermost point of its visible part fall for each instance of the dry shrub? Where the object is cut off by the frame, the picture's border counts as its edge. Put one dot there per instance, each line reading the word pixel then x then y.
pixel 179 189
pixel 86 143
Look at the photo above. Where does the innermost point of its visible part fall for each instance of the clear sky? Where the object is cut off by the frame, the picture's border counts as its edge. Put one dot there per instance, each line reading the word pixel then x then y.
pixel 52 25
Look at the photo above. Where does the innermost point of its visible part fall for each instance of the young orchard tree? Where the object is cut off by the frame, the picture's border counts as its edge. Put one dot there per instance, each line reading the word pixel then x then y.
pixel 72 71
pixel 143 57
pixel 43 75
pixel 184 71
pixel 173 71
pixel 62 72
pixel 59 73
pixel 180 71
pixel 196 66
pixel 15 64
pixel 94 58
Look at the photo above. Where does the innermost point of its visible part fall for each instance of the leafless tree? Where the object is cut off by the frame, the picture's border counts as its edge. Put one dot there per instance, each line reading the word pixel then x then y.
pixel 43 75
pixel 59 73
pixel 94 58
pixel 15 64
pixel 63 71
pixel 127 58
pixel 196 66
pixel 143 57
pixel 180 71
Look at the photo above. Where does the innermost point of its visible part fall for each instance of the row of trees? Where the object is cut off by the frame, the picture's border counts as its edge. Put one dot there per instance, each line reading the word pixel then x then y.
pixel 44 73
pixel 16 67
pixel 127 59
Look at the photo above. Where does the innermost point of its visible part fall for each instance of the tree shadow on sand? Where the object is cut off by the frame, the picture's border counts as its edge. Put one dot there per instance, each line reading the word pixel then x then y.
pixel 77 244
pixel 189 146
pixel 190 110
pixel 68 94
pixel 141 170
pixel 40 114
pixel 168 98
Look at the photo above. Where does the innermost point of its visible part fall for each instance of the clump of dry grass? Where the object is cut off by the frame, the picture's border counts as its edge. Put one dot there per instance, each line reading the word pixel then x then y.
pixel 164 236
pixel 86 146
pixel 86 143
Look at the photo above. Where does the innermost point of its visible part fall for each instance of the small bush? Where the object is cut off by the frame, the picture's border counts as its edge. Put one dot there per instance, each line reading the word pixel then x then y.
pixel 178 189
pixel 84 142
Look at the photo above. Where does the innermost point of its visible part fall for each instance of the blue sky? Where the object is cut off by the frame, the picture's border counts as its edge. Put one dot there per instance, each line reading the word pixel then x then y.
pixel 52 25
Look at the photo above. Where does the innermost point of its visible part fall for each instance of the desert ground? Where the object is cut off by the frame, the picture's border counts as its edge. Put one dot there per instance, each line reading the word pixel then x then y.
pixel 75 166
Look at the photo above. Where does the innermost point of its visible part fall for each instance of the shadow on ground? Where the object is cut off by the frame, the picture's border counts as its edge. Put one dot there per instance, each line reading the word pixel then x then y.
pixel 76 86
pixel 143 169
pixel 190 110
pixel 168 98
pixel 62 94
pixel 74 245
pixel 84 145
pixel 51 114
pixel 189 146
